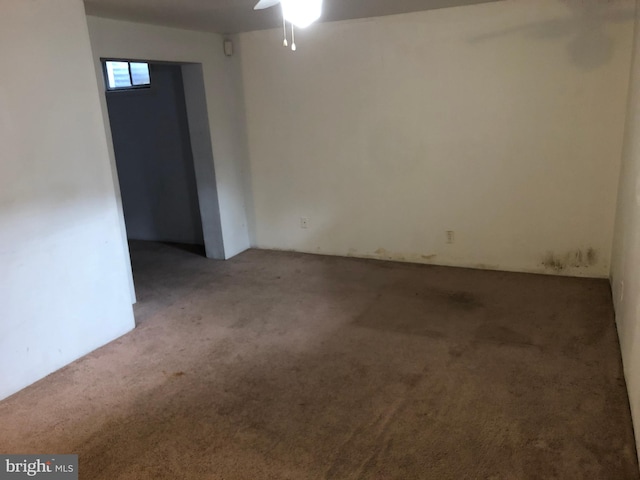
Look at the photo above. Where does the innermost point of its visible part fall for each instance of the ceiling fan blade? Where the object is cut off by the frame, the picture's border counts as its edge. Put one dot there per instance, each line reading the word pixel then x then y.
pixel 266 4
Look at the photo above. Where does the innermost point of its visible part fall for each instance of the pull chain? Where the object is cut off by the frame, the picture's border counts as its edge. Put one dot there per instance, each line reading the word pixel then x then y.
pixel 284 30
pixel 293 38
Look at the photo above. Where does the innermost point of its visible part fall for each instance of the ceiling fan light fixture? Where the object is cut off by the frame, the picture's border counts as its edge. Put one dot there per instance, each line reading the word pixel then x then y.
pixel 301 13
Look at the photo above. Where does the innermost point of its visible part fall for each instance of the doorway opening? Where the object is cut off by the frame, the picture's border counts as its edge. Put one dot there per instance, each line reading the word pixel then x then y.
pixel 163 155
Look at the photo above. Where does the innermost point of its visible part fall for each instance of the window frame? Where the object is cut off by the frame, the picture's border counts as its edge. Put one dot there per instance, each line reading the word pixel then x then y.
pixel 105 74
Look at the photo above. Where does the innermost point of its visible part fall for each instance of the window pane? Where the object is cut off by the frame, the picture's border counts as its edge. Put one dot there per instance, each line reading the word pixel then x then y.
pixel 118 74
pixel 140 73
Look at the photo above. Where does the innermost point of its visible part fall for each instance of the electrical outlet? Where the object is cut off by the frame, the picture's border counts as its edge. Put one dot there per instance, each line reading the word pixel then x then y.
pixel 304 222
pixel 451 236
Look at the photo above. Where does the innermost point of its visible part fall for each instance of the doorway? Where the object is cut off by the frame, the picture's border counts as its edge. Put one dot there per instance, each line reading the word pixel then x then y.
pixel 154 158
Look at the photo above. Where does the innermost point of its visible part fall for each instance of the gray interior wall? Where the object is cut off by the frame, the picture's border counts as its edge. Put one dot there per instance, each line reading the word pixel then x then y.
pixel 199 131
pixel 155 161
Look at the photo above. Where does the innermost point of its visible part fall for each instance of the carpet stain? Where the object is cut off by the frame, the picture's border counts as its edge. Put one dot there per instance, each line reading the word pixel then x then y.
pixel 502 335
pixel 464 300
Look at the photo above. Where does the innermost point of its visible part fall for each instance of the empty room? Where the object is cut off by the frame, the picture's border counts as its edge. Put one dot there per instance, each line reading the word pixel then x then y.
pixel 319 239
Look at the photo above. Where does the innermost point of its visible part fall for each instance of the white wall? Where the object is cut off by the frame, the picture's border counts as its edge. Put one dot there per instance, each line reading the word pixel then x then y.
pixel 63 271
pixel 118 39
pixel 502 122
pixel 625 268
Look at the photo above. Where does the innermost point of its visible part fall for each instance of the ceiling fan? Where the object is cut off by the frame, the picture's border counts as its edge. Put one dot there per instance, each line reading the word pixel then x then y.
pixel 299 13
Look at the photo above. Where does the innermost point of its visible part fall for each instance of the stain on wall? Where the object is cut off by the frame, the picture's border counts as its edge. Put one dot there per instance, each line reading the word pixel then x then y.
pixel 384 254
pixel 573 259
pixel 579 262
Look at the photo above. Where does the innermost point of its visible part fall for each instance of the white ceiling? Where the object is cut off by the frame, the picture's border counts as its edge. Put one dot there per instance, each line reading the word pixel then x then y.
pixel 231 16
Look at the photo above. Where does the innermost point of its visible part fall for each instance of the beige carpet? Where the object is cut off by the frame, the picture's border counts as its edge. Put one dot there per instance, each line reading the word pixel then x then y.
pixel 289 366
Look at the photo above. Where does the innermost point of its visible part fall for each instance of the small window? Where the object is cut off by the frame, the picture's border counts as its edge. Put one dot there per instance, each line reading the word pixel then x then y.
pixel 127 75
